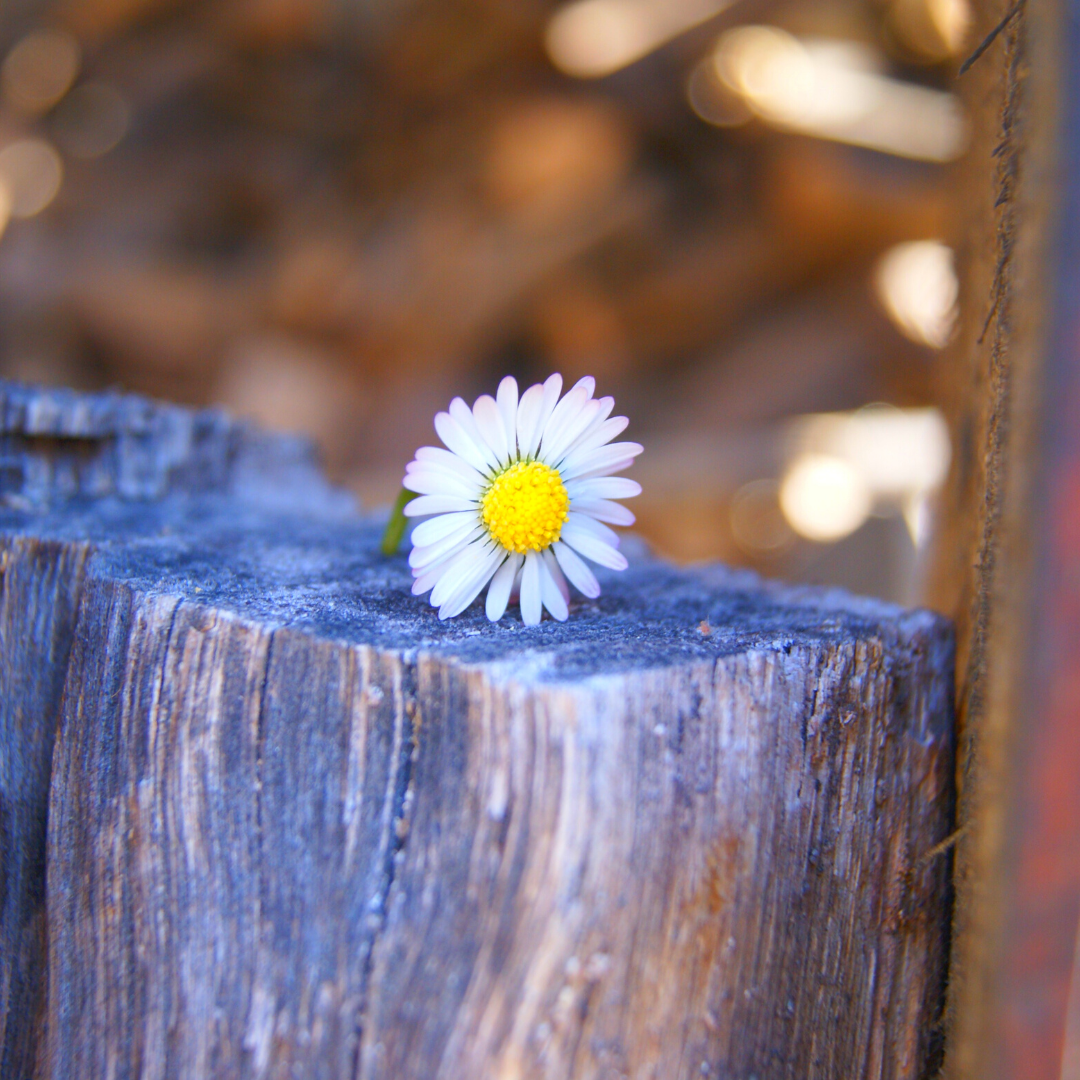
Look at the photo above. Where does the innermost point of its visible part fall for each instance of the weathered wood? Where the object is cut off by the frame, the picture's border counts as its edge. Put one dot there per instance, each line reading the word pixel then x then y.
pixel 1006 560
pixel 298 826
pixel 38 599
pixel 55 446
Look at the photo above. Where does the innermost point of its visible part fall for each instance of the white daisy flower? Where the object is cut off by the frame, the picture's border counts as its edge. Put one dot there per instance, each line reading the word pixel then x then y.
pixel 519 499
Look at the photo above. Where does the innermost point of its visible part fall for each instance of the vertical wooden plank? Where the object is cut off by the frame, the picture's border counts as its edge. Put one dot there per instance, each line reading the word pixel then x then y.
pixel 1010 561
pixel 1025 1030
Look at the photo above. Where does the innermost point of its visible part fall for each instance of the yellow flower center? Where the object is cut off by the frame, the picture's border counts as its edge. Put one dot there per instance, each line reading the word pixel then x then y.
pixel 525 507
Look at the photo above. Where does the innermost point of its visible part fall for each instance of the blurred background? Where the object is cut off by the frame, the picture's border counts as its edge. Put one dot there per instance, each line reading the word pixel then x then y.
pixel 334 215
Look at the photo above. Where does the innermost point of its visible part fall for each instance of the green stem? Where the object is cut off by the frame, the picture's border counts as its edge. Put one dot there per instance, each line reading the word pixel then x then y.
pixel 395 527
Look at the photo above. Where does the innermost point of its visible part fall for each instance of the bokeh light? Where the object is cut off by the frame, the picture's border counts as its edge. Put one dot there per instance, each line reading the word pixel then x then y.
pixel 916 283
pixel 5 206
pixel 91 120
pixel 933 30
pixel 31 171
pixel 592 38
pixel 824 497
pixel 892 461
pixel 758 523
pixel 39 70
pixel 829 89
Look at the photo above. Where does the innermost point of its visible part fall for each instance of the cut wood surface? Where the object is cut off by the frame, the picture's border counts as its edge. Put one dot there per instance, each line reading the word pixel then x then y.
pixel 297 826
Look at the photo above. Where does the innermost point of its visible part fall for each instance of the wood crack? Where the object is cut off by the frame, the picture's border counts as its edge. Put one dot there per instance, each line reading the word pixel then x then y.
pixel 399 790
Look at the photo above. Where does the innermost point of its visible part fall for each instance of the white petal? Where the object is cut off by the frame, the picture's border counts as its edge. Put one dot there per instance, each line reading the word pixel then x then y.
pixel 425 581
pixel 592 429
pixel 554 600
pixel 422 554
pixel 422 557
pixel 531 610
pixel 592 442
pixel 466 475
pixel 603 487
pixel 507 398
pixel 489 424
pixel 432 531
pixel 604 510
pixel 498 595
pixel 445 459
pixel 554 449
pixel 564 414
pixel 471 479
pixel 549 397
pixel 439 483
pixel 464 416
pixel 458 571
pixel 593 528
pixel 600 434
pixel 434 467
pixel 460 441
pixel 587 383
pixel 582 578
pixel 460 470
pixel 430 576
pixel 605 470
pixel 470 589
pixel 556 573
pixel 606 457
pixel 585 543
pixel 438 504
pixel 528 413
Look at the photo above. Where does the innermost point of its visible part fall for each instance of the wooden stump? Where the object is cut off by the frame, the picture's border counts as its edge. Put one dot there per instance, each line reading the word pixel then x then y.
pixel 299 827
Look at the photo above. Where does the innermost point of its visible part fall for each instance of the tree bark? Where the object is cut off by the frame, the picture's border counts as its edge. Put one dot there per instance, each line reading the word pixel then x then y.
pixel 298 827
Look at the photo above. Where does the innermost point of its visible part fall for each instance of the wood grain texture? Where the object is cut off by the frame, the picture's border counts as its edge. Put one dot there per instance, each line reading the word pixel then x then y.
pixel 1007 561
pixel 662 874
pixel 299 827
pixel 39 591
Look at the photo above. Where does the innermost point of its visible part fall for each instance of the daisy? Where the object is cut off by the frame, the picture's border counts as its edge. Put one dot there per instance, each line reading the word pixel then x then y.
pixel 519 498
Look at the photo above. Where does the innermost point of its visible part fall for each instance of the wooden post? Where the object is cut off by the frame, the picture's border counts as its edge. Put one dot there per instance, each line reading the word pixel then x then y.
pixel 298 826
pixel 1007 561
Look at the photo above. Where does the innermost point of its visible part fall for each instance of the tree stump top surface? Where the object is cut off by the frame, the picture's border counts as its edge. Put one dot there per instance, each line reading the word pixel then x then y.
pixel 323 573
pixel 215 511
